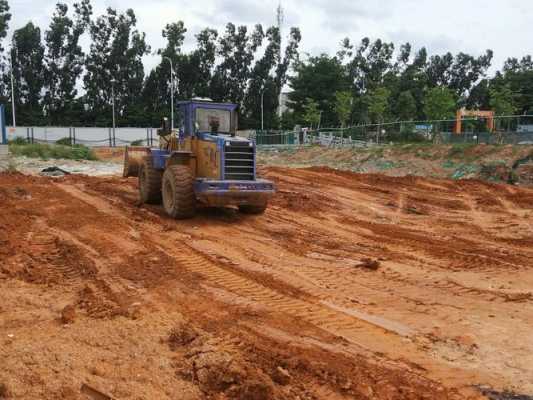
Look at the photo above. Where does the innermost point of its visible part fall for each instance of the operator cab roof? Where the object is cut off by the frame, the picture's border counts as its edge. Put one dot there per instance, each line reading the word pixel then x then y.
pixel 199 102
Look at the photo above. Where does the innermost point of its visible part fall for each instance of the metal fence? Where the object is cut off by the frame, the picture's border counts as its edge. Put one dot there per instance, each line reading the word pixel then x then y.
pixel 507 130
pixel 88 136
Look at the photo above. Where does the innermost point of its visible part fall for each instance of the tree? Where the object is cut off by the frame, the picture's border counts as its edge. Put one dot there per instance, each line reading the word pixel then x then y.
pixel 311 113
pixel 27 54
pixel 378 104
pixel 236 48
pixel 406 106
pixel 268 77
pixel 115 56
pixel 318 78
pixel 501 100
pixel 459 73
pixel 440 104
pixel 64 60
pixel 5 17
pixel 343 106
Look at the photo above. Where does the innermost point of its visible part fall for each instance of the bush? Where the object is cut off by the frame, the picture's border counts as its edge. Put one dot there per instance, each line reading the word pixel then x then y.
pixel 18 140
pixel 137 142
pixel 46 151
pixel 66 141
pixel 458 150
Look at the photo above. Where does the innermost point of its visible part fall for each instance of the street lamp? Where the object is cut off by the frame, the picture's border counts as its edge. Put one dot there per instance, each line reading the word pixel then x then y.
pixel 171 93
pixel 12 89
pixel 113 107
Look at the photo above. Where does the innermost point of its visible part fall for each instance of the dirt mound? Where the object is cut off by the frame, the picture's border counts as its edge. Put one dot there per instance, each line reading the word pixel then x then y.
pixel 460 161
pixel 98 300
pixel 218 366
pixel 270 307
pixel 524 174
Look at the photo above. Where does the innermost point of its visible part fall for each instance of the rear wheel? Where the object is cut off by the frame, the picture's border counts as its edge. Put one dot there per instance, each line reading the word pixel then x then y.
pixel 178 192
pixel 149 182
pixel 253 209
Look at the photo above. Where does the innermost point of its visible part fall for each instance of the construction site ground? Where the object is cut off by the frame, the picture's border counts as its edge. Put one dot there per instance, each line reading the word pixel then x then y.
pixel 350 286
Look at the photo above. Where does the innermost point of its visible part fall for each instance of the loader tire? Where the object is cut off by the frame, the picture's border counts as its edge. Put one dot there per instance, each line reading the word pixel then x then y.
pixel 179 200
pixel 253 209
pixel 149 182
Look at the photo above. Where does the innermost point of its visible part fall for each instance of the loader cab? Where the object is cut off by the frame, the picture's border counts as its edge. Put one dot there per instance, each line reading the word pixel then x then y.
pixel 201 118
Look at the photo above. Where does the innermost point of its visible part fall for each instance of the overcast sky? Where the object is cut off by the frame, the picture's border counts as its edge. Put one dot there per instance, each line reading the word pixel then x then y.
pixel 472 26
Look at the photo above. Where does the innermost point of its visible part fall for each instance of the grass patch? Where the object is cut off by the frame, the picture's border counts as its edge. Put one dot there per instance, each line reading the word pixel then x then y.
pixel 54 151
pixel 458 150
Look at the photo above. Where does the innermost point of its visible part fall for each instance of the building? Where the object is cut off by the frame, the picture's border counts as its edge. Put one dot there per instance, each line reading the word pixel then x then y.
pixel 284 103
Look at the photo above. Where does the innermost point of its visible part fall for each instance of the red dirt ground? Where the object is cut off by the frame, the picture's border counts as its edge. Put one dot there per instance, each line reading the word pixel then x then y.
pixel 349 286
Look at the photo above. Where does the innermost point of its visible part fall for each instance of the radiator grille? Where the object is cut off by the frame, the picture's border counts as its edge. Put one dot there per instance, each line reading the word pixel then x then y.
pixel 239 161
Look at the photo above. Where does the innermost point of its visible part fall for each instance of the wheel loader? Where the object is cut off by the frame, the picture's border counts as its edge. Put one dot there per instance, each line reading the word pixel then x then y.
pixel 201 162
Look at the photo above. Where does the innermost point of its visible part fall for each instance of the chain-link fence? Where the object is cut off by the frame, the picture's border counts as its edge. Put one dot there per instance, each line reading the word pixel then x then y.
pixel 504 130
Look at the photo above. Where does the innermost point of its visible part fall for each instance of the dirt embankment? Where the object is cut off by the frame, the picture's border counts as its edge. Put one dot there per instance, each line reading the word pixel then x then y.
pixel 350 286
pixel 510 164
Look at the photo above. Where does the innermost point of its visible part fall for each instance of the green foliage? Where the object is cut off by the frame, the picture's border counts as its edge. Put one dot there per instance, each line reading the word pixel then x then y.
pixel 5 17
pixel 457 151
pixel 115 56
pixel 64 60
pixel 66 141
pixel 18 140
pixel 378 104
pixel 406 106
pixel 46 151
pixel 320 78
pixel 501 100
pixel 288 120
pixel 137 142
pixel 439 104
pixel 343 106
pixel 238 65
pixel 28 71
pixel 311 113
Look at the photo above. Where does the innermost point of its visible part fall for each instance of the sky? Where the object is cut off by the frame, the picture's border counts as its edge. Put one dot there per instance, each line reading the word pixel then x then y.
pixel 471 26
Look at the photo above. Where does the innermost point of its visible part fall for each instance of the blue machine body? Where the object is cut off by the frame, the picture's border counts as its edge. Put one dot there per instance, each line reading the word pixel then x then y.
pixel 228 188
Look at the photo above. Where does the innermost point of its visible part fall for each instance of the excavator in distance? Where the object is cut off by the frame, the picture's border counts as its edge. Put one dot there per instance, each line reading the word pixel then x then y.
pixel 201 162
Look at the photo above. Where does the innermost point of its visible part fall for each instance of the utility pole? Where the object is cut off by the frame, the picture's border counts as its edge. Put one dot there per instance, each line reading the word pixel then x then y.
pixel 12 89
pixel 280 19
pixel 262 108
pixel 113 107
pixel 171 93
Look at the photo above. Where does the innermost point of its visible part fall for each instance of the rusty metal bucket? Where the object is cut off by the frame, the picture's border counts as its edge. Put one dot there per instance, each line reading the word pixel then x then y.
pixel 133 158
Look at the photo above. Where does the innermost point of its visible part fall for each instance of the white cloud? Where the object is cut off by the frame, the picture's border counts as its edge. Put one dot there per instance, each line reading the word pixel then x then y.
pixel 453 25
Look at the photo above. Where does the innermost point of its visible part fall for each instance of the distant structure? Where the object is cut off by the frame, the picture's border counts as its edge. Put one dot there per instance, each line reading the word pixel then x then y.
pixel 283 103
pixel 488 116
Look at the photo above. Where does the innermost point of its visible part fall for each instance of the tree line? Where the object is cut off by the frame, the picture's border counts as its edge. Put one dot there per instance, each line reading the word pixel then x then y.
pixel 57 82
pixel 370 83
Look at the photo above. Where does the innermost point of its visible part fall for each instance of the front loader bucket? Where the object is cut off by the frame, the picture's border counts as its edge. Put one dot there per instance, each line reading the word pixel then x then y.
pixel 133 158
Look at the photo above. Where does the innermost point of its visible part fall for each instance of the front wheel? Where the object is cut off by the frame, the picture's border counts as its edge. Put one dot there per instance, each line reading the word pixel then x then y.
pixel 178 192
pixel 253 209
pixel 149 182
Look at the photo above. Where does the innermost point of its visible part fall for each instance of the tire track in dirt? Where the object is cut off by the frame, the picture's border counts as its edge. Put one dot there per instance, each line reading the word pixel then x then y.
pixel 431 253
